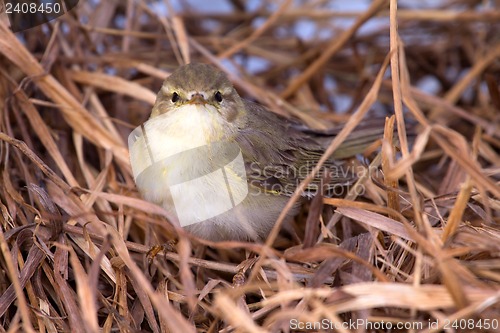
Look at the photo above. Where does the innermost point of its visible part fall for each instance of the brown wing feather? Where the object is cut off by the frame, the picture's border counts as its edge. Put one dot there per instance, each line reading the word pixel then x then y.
pixel 279 166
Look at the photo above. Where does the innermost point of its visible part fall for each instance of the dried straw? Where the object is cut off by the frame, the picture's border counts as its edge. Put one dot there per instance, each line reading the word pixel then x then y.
pixel 418 245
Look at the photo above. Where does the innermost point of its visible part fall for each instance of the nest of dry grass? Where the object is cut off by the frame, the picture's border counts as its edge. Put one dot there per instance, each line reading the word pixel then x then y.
pixel 420 247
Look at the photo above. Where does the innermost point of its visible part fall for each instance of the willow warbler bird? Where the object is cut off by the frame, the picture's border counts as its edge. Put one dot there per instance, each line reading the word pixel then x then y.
pixel 223 165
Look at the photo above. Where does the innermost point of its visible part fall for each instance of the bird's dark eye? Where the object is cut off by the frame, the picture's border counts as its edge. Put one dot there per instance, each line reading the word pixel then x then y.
pixel 175 97
pixel 218 97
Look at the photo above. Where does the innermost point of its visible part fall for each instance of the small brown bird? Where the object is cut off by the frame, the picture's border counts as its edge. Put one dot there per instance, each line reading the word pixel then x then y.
pixel 224 165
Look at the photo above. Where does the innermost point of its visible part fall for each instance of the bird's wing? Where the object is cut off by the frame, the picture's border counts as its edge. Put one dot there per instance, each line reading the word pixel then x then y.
pixel 278 155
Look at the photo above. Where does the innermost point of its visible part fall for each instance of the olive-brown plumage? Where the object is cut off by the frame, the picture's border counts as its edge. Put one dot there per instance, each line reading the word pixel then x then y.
pixel 198 102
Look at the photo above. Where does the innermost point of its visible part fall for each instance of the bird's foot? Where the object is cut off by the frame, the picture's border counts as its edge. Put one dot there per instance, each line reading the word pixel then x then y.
pixel 239 278
pixel 155 249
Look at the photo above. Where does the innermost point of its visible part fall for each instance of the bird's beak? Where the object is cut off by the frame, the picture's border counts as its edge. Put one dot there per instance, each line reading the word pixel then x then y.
pixel 197 99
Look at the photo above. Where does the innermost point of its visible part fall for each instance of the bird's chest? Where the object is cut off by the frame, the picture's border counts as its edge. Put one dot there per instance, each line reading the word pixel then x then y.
pixel 187 163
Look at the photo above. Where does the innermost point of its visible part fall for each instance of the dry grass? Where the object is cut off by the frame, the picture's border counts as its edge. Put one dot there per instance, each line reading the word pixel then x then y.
pixel 421 245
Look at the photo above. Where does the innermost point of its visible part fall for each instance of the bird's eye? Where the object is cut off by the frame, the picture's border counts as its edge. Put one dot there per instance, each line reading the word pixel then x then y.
pixel 218 97
pixel 175 97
